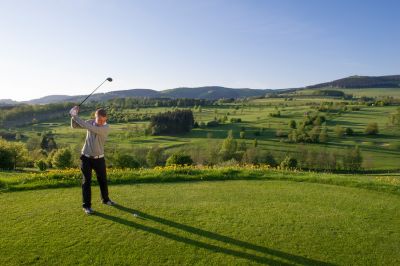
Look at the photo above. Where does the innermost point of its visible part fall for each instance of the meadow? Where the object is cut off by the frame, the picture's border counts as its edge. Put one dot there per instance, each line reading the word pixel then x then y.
pixel 380 152
pixel 234 215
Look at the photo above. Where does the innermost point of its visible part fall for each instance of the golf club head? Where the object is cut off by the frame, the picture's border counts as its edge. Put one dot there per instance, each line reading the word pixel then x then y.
pixel 109 79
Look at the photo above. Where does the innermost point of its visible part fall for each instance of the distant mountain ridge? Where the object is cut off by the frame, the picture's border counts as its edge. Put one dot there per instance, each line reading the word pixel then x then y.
pixel 392 81
pixel 7 102
pixel 217 92
pixel 209 92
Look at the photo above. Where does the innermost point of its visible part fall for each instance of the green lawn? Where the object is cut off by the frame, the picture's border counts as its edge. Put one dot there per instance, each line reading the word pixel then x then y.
pixel 205 223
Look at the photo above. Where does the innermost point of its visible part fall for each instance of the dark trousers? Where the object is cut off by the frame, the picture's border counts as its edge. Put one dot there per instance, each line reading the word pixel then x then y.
pixel 99 166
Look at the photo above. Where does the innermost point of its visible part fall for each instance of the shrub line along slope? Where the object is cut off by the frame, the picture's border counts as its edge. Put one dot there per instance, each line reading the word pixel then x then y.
pixel 12 181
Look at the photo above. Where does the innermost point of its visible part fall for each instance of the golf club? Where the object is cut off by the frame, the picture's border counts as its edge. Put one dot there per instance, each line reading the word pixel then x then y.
pixel 107 79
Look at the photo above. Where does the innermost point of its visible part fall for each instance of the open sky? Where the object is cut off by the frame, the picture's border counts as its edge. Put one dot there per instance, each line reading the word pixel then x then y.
pixel 70 46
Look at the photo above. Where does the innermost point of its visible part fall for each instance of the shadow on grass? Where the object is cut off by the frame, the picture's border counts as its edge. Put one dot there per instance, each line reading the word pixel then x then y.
pixel 274 257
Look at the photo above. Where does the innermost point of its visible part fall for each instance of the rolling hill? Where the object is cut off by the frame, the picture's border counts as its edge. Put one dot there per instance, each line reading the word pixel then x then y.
pixel 211 93
pixel 217 92
pixel 355 82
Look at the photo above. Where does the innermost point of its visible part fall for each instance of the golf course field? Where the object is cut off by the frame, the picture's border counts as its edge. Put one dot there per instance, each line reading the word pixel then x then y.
pixel 235 222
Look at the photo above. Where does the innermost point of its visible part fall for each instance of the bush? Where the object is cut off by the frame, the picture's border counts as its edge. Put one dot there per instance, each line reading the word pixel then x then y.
pixel 126 161
pixel 372 129
pixel 339 131
pixel 292 124
pixel 349 131
pixel 236 120
pixel 48 143
pixel 323 136
pixel 179 159
pixel 12 154
pixel 154 156
pixel 229 147
pixel 62 158
pixel 41 165
pixel 314 134
pixel 281 133
pixel 269 159
pixel 213 123
pixel 289 162
pixel 277 114
pixel 6 159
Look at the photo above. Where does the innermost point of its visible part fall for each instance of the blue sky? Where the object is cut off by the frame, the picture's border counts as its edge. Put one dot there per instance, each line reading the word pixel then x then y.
pixel 69 47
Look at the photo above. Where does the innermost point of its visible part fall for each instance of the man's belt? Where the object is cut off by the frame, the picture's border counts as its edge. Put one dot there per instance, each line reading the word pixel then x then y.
pixel 93 157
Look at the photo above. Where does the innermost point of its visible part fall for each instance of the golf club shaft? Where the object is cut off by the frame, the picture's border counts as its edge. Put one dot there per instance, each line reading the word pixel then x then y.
pixel 92 92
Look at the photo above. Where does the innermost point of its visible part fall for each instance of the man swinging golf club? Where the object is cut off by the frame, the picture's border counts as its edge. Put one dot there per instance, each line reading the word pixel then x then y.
pixel 92 156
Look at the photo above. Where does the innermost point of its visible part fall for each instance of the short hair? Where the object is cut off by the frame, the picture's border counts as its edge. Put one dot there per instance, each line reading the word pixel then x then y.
pixel 101 112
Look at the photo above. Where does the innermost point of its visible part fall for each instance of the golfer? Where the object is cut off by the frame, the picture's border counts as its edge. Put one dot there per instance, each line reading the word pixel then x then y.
pixel 92 157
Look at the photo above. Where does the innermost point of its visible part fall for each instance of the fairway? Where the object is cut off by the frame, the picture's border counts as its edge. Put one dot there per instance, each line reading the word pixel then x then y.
pixel 205 223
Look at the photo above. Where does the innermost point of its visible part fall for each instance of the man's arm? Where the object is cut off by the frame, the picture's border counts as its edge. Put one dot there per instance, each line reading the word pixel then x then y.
pixel 74 124
pixel 103 131
pixel 74 112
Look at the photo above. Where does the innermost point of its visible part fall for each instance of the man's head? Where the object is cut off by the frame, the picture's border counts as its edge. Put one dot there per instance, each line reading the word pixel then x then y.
pixel 101 117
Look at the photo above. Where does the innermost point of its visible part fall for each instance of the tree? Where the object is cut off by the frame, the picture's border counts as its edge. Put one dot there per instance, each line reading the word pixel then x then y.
pixel 339 131
pixel 175 122
pixel 292 124
pixel 323 136
pixel 6 159
pixel 352 159
pixel 14 151
pixel 179 159
pixel 48 143
pixel 126 161
pixel 289 162
pixel 154 156
pixel 33 143
pixel 349 131
pixel 242 146
pixel 372 129
pixel 251 156
pixel 269 159
pixel 229 147
pixel 41 165
pixel 314 134
pixel 62 158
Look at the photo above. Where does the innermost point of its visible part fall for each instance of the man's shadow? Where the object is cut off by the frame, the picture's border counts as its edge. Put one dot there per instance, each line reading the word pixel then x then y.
pixel 279 257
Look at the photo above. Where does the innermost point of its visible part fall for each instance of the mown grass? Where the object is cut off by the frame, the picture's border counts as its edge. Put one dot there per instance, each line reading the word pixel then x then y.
pixel 13 181
pixel 248 222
